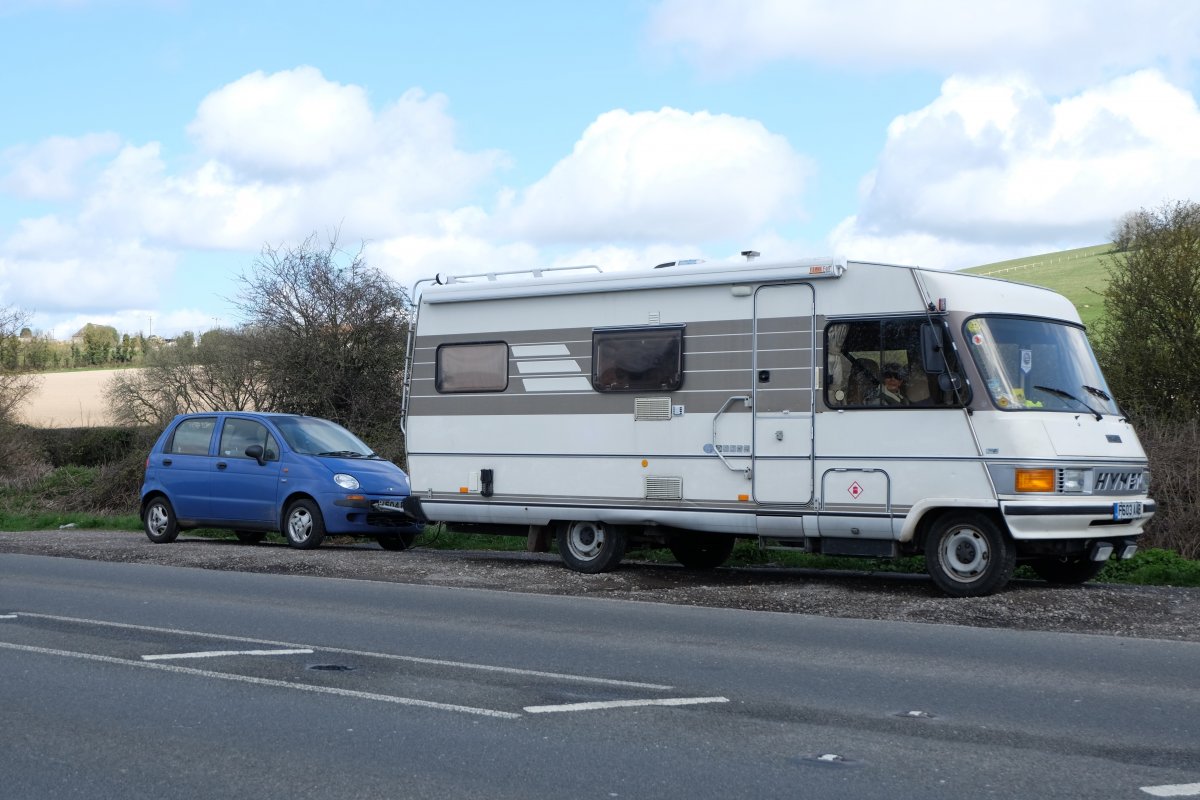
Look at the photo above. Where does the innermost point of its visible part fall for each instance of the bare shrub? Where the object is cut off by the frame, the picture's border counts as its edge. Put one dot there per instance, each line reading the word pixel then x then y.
pixel 23 460
pixel 1172 446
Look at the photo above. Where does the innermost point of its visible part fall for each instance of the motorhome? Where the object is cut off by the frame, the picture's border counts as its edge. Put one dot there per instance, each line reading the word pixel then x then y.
pixel 825 405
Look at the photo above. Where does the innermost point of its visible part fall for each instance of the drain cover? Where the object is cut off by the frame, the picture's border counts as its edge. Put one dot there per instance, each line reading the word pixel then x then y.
pixel 331 667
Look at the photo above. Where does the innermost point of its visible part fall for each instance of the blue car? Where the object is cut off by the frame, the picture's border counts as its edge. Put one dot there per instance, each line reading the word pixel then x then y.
pixel 255 473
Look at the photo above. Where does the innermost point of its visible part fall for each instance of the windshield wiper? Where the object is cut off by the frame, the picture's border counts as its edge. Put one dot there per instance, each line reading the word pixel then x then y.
pixel 1069 396
pixel 343 454
pixel 1103 395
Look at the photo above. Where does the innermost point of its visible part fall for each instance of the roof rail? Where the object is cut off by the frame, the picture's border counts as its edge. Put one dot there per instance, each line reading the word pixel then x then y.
pixel 491 276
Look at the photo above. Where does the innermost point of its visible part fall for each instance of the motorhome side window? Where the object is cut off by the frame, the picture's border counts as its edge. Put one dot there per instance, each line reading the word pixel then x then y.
pixel 644 359
pixel 882 364
pixel 473 367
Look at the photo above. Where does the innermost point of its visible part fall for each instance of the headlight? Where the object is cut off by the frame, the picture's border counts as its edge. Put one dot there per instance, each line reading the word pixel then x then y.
pixel 1074 480
pixel 345 481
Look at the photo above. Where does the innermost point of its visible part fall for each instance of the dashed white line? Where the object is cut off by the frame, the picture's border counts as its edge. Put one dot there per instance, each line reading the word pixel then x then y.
pixel 598 705
pixel 8 616
pixel 1174 790
pixel 304 687
pixel 219 653
pixel 436 662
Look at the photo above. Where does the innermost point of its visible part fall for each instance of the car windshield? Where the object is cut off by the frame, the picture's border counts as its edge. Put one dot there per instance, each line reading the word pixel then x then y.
pixel 320 437
pixel 1038 365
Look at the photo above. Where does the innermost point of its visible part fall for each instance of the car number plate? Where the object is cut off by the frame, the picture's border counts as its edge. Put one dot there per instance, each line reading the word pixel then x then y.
pixel 1127 510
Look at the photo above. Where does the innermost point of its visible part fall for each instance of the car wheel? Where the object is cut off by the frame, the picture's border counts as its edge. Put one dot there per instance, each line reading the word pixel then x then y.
pixel 401 541
pixel 700 550
pixel 1066 570
pixel 159 521
pixel 303 526
pixel 249 537
pixel 591 547
pixel 967 555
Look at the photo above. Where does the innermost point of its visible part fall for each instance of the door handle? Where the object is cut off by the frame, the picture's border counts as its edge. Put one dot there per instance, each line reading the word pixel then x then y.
pixel 221 465
pixel 166 462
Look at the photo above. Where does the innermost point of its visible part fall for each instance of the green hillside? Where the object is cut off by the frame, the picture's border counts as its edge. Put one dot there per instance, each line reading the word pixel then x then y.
pixel 1081 275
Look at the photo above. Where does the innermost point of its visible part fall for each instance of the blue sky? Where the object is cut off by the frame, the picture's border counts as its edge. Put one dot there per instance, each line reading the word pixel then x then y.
pixel 150 148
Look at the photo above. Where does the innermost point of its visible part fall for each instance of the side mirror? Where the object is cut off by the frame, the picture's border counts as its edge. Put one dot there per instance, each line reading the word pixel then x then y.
pixel 933 349
pixel 255 451
pixel 948 382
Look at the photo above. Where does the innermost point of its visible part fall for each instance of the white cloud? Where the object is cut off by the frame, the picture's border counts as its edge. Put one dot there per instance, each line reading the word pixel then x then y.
pixel 993 166
pixel 50 170
pixel 1063 44
pixel 663 175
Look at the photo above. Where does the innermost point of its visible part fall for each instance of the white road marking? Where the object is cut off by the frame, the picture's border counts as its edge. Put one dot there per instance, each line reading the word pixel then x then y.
pixel 410 659
pixel 596 706
pixel 219 653
pixel 8 616
pixel 1174 790
pixel 304 687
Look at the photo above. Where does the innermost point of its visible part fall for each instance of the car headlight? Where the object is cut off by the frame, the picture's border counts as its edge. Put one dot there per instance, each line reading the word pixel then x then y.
pixel 345 481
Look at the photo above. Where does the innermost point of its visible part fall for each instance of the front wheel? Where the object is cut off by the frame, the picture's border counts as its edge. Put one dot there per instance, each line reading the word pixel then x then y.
pixel 1066 570
pixel 159 521
pixel 700 550
pixel 303 526
pixel 968 555
pixel 591 547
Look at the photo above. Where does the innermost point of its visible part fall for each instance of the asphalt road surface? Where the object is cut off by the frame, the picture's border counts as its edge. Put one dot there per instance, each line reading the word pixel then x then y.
pixel 134 680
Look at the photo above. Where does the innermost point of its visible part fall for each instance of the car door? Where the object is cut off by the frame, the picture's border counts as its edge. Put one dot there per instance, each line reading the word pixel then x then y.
pixel 245 491
pixel 184 467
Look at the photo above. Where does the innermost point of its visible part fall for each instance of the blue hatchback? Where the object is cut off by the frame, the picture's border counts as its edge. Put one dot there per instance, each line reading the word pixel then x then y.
pixel 254 473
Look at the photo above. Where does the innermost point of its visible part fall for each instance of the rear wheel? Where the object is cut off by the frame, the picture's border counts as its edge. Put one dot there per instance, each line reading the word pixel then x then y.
pixel 591 546
pixel 401 542
pixel 701 550
pixel 967 555
pixel 1066 570
pixel 303 526
pixel 159 521
pixel 249 537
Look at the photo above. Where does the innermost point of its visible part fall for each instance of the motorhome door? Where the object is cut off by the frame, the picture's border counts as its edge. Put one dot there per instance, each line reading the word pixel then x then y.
pixel 783 394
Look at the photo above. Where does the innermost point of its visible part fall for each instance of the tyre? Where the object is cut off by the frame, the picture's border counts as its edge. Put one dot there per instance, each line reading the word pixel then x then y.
pixel 249 537
pixel 1066 570
pixel 303 526
pixel 591 547
pixel 967 555
pixel 159 521
pixel 401 541
pixel 700 550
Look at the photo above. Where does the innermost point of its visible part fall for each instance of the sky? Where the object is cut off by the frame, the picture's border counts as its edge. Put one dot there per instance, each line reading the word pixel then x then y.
pixel 151 149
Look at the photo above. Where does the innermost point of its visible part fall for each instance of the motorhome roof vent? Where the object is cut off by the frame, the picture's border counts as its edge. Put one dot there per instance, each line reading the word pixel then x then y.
pixel 652 408
pixel 751 254
pixel 664 487
pixel 681 263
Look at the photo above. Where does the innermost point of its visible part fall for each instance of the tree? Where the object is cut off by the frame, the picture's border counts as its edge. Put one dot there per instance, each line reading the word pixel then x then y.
pixel 1150 339
pixel 16 384
pixel 331 334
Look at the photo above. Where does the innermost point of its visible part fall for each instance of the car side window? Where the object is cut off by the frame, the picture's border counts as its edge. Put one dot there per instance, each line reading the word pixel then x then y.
pixel 238 434
pixel 192 437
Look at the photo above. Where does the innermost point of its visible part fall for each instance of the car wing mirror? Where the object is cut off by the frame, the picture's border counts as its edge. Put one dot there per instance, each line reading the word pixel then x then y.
pixel 255 451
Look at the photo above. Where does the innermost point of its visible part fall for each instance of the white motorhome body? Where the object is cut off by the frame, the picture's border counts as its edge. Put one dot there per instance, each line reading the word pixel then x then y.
pixel 699 403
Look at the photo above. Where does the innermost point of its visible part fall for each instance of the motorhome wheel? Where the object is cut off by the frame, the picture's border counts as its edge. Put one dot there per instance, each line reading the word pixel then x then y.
pixel 591 546
pixel 967 555
pixel 400 542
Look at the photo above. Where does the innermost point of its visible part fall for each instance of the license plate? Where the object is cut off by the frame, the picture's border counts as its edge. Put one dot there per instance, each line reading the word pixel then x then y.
pixel 1127 510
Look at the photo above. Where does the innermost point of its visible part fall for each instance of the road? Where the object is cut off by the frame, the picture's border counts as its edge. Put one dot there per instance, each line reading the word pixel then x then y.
pixel 128 680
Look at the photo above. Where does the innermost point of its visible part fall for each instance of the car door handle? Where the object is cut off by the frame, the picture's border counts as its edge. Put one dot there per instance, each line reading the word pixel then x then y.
pixel 166 462
pixel 221 465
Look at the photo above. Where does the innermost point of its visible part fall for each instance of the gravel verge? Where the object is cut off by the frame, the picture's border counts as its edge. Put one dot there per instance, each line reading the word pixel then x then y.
pixel 1117 610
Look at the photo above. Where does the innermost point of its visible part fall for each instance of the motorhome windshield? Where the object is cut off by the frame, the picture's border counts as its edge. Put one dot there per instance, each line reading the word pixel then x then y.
pixel 1038 365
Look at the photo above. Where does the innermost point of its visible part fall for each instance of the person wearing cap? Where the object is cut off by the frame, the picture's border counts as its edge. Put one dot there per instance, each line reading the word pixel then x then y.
pixel 892 392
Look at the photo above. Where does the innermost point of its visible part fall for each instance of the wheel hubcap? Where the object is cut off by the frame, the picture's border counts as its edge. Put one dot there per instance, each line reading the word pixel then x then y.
pixel 299 525
pixel 158 519
pixel 586 541
pixel 965 553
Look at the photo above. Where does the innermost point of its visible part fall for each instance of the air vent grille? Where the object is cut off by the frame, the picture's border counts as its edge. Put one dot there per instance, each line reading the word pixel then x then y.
pixel 662 487
pixel 652 408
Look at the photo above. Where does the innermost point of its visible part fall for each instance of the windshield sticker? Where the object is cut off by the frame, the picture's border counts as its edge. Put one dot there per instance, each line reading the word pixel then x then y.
pixel 977 340
pixel 1026 361
pixel 974 326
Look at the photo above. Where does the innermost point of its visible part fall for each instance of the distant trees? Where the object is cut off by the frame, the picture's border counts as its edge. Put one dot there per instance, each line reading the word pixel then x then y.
pixel 16 383
pixel 322 333
pixel 1149 342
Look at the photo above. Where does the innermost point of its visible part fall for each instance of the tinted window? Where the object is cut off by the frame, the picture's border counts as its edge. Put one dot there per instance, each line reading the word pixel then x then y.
pixel 880 364
pixel 477 367
pixel 637 359
pixel 192 436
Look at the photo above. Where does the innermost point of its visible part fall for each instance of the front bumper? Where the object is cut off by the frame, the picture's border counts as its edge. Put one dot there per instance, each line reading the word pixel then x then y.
pixel 1088 518
pixel 371 515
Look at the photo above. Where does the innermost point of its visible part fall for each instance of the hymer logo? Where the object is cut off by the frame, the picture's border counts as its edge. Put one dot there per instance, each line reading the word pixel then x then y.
pixel 1120 481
